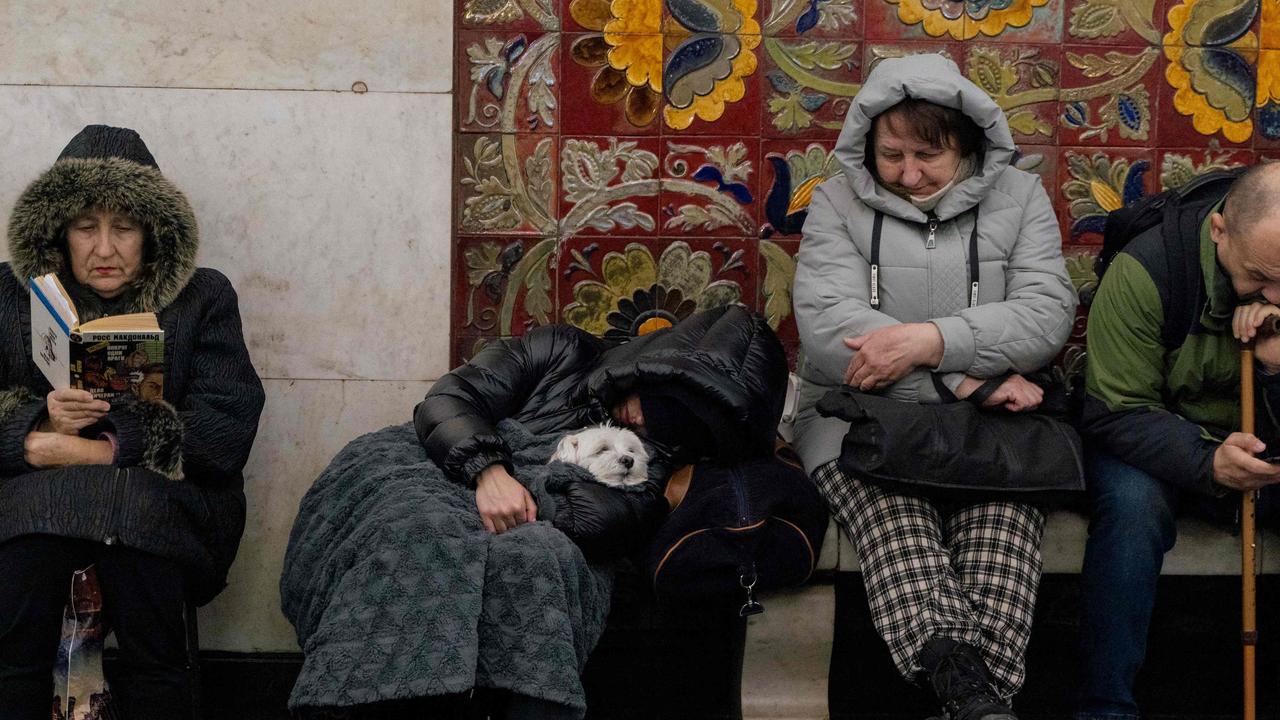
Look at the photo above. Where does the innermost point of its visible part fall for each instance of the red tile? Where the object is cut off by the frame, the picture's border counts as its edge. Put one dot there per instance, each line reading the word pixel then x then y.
pixel 1266 113
pixel 813 19
pixel 790 171
pixel 874 52
pixel 585 15
pixel 777 271
pixel 1085 191
pixel 490 102
pixel 614 284
pixel 1211 24
pixel 1178 165
pixel 1231 126
pixel 583 65
pixel 503 285
pixel 710 186
pixel 1080 260
pixel 609 185
pixel 489 200
pixel 800 102
pixel 730 107
pixel 464 346
pixel 1107 97
pixel 1013 24
pixel 506 15
pixel 884 23
pixel 1105 23
pixel 1030 101
pixel 1043 161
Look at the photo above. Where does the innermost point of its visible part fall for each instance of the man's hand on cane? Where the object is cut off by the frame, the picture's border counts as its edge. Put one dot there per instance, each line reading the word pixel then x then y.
pixel 1235 463
pixel 1258 323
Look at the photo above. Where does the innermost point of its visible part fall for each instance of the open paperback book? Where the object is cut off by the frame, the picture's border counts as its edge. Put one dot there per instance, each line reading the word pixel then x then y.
pixel 117 357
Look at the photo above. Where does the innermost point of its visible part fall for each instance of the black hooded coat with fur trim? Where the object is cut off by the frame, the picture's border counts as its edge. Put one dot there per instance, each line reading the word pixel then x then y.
pixel 176 486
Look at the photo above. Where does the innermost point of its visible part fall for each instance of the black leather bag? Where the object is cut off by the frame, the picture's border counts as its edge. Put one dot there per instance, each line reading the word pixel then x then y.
pixel 738 529
pixel 957 450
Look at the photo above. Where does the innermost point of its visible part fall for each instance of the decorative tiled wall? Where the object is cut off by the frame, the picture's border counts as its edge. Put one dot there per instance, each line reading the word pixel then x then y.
pixel 621 163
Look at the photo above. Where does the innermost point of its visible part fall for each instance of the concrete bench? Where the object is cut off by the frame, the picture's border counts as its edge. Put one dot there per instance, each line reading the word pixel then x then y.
pixel 788 647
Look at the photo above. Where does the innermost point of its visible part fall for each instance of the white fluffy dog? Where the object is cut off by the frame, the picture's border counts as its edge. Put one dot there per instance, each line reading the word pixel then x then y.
pixel 614 455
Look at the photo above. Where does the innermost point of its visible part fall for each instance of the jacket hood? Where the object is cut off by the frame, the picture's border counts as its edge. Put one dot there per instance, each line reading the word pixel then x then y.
pixel 112 169
pixel 936 79
pixel 724 361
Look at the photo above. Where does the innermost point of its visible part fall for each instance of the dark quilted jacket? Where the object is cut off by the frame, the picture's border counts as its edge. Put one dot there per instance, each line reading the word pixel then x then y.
pixel 560 378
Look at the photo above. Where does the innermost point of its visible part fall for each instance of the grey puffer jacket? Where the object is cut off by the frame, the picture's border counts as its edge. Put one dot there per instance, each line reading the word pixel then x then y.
pixel 1026 304
pixel 175 488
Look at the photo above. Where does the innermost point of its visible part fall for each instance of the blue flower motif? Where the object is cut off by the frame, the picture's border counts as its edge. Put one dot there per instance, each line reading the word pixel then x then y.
pixel 1076 114
pixel 1129 112
pixel 1133 190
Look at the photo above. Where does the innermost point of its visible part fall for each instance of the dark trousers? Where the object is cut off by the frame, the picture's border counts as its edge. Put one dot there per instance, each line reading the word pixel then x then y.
pixel 1131 527
pixel 143 601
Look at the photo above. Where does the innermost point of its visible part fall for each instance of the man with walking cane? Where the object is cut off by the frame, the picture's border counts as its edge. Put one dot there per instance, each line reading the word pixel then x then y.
pixel 1162 413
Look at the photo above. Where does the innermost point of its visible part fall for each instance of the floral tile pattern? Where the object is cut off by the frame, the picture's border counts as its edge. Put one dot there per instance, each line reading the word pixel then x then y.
pixel 710 186
pixel 625 287
pixel 812 19
pixel 1106 22
pixel 1093 182
pixel 508 82
pixel 505 285
pixel 1023 80
pixel 621 163
pixel 506 184
pixel 1105 99
pixel 808 85
pixel 610 186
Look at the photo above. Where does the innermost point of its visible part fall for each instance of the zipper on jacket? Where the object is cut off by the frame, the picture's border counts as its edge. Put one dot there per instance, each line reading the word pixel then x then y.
pixel 932 243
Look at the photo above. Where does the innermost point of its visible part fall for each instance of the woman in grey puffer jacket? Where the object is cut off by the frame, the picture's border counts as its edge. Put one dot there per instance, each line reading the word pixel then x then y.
pixel 969 284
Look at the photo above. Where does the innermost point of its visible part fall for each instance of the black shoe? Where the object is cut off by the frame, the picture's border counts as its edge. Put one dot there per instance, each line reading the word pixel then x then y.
pixel 958 676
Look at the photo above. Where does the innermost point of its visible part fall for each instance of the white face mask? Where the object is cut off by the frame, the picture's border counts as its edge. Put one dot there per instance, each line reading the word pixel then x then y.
pixel 964 170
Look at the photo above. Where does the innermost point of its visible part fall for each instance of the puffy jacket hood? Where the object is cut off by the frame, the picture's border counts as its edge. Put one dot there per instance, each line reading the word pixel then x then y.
pixel 112 169
pixel 936 79
pixel 726 360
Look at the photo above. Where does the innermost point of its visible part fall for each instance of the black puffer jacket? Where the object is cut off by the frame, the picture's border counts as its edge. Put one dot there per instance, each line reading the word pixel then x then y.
pixel 175 488
pixel 559 378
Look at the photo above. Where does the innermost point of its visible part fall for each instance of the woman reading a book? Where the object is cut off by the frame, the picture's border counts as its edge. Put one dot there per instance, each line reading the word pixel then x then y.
pixel 146 487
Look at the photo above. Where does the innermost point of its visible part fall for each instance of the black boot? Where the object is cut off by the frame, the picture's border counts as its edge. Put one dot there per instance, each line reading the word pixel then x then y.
pixel 958 676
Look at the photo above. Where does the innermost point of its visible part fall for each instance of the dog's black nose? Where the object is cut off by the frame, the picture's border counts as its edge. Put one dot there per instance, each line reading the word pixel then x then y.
pixel 627 462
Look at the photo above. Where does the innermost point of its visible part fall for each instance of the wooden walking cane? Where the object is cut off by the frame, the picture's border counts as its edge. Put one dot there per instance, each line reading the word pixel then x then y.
pixel 1248 543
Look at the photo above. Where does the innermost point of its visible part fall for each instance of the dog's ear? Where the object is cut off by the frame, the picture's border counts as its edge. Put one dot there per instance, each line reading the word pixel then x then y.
pixel 567 450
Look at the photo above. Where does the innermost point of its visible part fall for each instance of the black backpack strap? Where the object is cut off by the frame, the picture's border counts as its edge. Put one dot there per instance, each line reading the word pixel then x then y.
pixel 1185 296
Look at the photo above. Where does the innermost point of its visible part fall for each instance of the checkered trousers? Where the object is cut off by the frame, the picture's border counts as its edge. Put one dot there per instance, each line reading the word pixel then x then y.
pixel 968 573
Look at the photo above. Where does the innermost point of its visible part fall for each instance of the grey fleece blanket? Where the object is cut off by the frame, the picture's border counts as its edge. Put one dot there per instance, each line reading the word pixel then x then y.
pixel 397 590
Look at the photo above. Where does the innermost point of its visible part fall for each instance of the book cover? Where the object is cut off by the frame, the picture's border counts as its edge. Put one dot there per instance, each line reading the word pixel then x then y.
pixel 118 367
pixel 117 358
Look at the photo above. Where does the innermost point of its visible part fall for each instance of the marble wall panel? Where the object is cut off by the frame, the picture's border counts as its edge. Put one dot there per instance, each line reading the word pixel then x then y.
pixel 304 425
pixel 390 45
pixel 329 212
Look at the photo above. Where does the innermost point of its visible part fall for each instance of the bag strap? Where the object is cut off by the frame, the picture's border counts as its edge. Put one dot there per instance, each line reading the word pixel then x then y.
pixel 984 391
pixel 876 227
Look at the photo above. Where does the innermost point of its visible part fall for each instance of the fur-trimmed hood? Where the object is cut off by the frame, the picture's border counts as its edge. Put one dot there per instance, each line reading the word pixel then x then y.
pixel 94 172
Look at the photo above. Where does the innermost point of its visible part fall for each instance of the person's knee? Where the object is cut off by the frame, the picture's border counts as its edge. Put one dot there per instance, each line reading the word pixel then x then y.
pixel 1125 500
